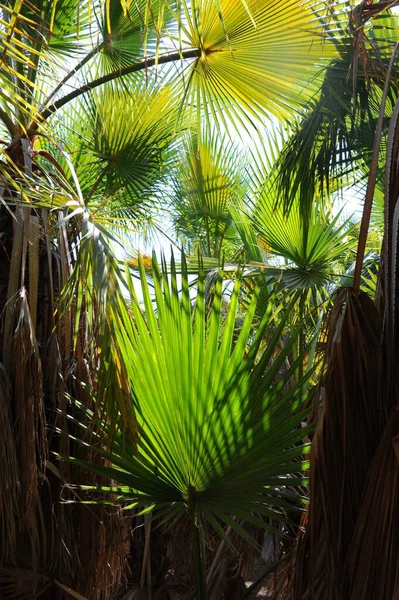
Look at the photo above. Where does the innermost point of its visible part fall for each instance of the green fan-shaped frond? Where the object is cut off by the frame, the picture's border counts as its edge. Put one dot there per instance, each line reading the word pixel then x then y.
pixel 313 247
pixel 55 26
pixel 206 182
pixel 220 425
pixel 255 61
pixel 231 59
pixel 121 143
pixel 131 29
pixel 300 253
pixel 332 143
pixel 309 252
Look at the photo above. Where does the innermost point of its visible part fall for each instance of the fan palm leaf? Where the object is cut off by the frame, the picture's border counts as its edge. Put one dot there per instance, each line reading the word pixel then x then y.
pixel 122 145
pixel 303 254
pixel 205 183
pixel 246 67
pixel 219 429
pixel 226 56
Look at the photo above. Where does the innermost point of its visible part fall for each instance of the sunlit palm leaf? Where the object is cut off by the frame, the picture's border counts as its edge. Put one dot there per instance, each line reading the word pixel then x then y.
pixel 257 63
pixel 205 183
pixel 121 145
pixel 335 136
pixel 131 29
pixel 220 431
pixel 313 247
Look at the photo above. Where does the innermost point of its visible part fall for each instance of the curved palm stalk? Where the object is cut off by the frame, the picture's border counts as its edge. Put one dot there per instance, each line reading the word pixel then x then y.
pixel 219 425
pixel 222 56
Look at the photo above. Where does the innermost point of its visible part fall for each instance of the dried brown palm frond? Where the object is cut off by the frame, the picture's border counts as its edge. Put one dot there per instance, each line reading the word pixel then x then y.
pixel 9 473
pixel 373 557
pixel 80 546
pixel 372 568
pixel 355 411
pixel 17 583
pixel 26 377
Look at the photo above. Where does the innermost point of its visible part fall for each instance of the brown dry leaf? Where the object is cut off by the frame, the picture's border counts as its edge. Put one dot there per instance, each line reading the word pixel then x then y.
pixel 373 556
pixel 26 377
pixel 355 410
pixel 9 473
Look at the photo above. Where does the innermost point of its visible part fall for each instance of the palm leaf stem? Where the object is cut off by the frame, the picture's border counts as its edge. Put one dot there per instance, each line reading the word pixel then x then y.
pixel 73 72
pixel 139 66
pixel 200 569
pixel 8 122
pixel 368 203
pixel 301 339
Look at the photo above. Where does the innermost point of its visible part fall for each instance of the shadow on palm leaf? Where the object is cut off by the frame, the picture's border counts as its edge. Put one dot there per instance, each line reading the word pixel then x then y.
pixel 220 422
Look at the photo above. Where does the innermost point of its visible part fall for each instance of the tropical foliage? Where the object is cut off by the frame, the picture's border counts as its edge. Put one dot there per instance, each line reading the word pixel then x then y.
pixel 217 435
pixel 184 394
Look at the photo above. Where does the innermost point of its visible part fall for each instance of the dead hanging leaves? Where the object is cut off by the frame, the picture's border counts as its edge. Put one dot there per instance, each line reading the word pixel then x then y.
pixel 356 407
pixel 9 473
pixel 372 569
pixel 349 549
pixel 25 367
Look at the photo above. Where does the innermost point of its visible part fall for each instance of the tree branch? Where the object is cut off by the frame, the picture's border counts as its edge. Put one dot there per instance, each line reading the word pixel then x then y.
pixel 84 60
pixel 146 63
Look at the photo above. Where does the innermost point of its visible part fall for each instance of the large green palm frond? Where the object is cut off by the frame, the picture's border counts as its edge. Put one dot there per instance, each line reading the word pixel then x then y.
pixel 233 60
pixel 300 254
pixel 312 250
pixel 122 146
pixel 259 59
pixel 236 60
pixel 128 31
pixel 57 28
pixel 220 434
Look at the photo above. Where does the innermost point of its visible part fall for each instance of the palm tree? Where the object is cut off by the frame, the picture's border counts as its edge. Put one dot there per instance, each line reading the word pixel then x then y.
pixel 93 102
pixel 219 442
pixel 351 480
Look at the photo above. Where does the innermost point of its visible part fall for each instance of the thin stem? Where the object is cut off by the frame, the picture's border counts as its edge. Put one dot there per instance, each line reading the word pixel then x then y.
pixel 301 340
pixel 200 570
pixel 81 64
pixel 208 237
pixel 140 66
